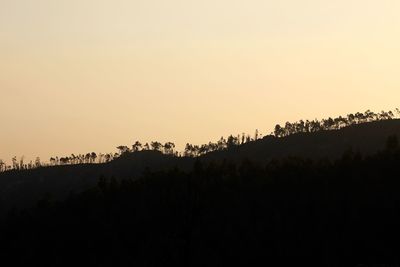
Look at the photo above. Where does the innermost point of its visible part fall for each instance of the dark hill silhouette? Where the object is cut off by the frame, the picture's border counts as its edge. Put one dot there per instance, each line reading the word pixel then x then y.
pixel 25 187
pixel 284 213
pixel 366 138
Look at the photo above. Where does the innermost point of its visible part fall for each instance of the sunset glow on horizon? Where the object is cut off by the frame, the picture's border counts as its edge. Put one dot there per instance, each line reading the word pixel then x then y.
pixel 83 76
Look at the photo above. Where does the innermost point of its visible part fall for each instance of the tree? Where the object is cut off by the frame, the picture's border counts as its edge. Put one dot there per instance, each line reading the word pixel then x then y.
pixel 14 163
pixel 369 115
pixel 156 146
pixel 37 162
pixel 137 146
pixel 248 139
pixel 232 141
pixel 351 119
pixel 64 160
pixel 21 162
pixel 328 124
pixel 123 149
pixel 390 115
pixel 93 157
pixel 2 166
pixel 146 146
pixel 300 126
pixel 188 150
pixel 204 149
pixel 169 148
pixel 256 135
pixel 221 143
pixel 108 157
pixel 359 117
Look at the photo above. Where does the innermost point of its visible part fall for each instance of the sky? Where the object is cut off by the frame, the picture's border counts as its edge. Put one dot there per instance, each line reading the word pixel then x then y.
pixel 88 75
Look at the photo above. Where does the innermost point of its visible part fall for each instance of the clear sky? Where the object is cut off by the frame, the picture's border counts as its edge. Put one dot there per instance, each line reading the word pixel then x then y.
pixel 87 75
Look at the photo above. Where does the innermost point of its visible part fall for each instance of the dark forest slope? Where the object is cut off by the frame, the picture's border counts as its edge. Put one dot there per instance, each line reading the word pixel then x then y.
pixel 290 212
pixel 21 188
pixel 366 138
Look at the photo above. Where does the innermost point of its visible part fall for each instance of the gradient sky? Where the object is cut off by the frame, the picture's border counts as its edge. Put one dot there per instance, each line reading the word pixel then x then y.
pixel 87 75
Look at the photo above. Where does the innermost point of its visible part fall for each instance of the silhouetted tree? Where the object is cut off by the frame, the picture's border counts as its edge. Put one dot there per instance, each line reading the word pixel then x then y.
pixel 232 142
pixel 279 131
pixel 2 166
pixel 93 157
pixel 256 134
pixel 146 146
pixel 123 149
pixel 157 146
pixel 14 163
pixel 169 148
pixel 37 162
pixel 137 146
pixel 108 157
pixel 221 143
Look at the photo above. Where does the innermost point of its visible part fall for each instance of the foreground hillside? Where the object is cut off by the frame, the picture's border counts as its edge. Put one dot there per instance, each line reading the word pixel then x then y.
pixel 24 188
pixel 287 212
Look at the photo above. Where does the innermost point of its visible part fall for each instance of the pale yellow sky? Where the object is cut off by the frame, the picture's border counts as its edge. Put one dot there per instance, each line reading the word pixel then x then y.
pixel 87 75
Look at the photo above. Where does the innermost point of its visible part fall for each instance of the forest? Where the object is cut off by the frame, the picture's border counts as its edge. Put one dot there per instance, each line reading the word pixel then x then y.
pixel 222 211
pixel 286 212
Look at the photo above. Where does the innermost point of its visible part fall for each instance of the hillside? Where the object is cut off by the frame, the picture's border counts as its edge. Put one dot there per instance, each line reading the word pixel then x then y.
pixel 366 138
pixel 22 188
pixel 287 212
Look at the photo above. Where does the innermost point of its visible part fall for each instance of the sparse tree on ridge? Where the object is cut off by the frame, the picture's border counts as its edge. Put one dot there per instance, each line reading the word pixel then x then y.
pixel 123 149
pixel 232 142
pixel 146 146
pixel 2 166
pixel 108 157
pixel 169 148
pixel 93 157
pixel 156 146
pixel 332 123
pixel 137 146
pixel 14 163
pixel 21 163
pixel 221 143
pixel 188 150
pixel 37 162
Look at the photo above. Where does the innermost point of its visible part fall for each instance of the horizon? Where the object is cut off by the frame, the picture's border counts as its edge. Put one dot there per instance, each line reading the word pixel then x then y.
pixel 83 76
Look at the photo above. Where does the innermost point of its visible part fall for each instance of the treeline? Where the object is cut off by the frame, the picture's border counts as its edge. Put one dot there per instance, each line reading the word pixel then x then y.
pixel 191 150
pixel 232 141
pixel 20 164
pixel 281 213
pixel 332 123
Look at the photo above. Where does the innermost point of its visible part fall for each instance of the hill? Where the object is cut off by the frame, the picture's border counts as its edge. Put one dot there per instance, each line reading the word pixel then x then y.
pixel 24 188
pixel 366 138
pixel 284 213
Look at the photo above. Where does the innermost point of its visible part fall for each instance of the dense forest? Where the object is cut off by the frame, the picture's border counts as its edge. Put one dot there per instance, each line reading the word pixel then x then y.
pixel 289 211
pixel 235 204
